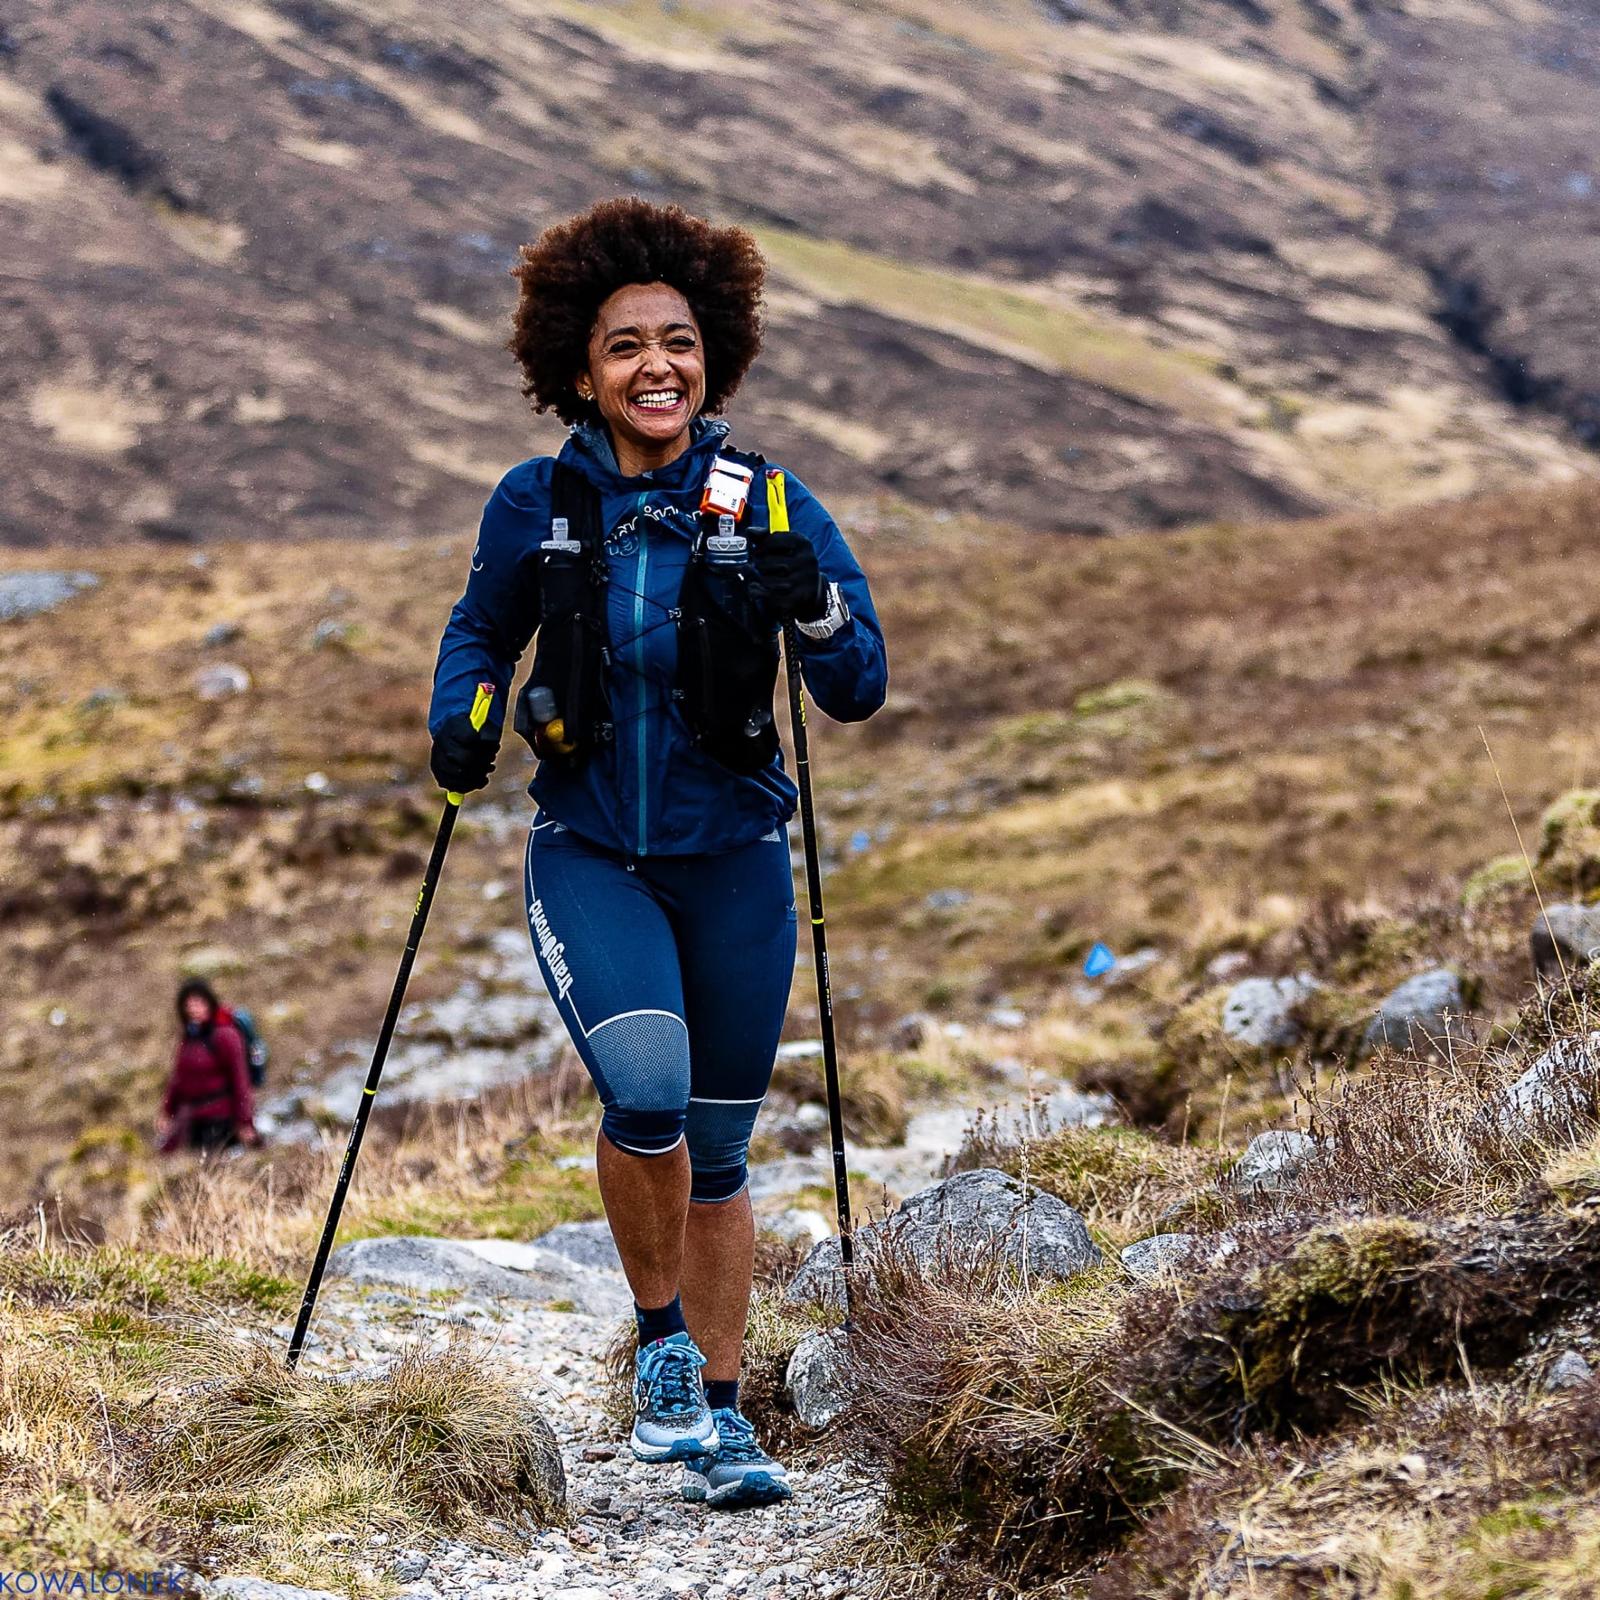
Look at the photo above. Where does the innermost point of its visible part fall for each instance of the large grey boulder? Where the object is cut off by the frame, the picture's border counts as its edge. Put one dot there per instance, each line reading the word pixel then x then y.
pixel 1564 936
pixel 965 1219
pixel 818 1379
pixel 31 594
pixel 1554 1093
pixel 1259 1012
pixel 1419 1015
pixel 589 1244
pixel 1271 1161
pixel 486 1269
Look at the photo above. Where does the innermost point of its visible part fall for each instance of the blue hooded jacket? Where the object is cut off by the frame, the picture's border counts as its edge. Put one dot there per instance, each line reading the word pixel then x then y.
pixel 648 792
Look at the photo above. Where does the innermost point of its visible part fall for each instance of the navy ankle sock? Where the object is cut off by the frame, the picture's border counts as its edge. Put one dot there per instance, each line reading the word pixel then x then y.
pixel 659 1323
pixel 721 1396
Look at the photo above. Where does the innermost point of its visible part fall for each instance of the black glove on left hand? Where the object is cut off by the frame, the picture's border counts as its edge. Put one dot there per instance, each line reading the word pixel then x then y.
pixel 790 578
pixel 462 757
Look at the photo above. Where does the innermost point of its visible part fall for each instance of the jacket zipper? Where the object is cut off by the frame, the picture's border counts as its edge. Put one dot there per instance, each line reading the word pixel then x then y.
pixel 640 569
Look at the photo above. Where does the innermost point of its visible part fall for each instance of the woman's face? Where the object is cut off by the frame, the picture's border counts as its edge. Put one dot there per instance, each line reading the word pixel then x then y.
pixel 195 1008
pixel 647 369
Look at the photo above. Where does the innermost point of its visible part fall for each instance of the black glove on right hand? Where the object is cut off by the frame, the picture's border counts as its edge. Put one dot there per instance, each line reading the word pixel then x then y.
pixel 462 757
pixel 786 566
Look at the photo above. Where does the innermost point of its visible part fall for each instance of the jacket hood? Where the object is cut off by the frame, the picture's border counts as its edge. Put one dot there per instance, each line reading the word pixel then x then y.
pixel 588 448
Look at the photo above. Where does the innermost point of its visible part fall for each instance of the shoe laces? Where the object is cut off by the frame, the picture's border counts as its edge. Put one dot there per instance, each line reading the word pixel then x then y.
pixel 738 1438
pixel 670 1374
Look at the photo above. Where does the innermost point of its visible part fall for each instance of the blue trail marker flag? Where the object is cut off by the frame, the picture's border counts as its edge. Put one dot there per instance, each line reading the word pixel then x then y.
pixel 1099 963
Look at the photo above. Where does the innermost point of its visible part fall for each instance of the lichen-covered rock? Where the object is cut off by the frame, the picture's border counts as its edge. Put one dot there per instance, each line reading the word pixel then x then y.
pixel 1260 1012
pixel 489 1269
pixel 1272 1160
pixel 1554 1093
pixel 589 1244
pixel 1419 1015
pixel 964 1219
pixel 1161 1253
pixel 221 682
pixel 1564 936
pixel 818 1378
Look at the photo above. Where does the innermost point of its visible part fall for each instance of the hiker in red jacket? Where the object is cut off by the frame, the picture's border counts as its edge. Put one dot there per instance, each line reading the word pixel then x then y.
pixel 208 1104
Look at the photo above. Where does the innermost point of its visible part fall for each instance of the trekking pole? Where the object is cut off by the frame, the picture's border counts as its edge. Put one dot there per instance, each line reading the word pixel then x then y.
pixel 778 522
pixel 419 920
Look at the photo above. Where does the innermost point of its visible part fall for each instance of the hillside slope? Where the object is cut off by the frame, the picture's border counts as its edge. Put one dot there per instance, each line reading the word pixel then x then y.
pixel 1090 266
pixel 1198 744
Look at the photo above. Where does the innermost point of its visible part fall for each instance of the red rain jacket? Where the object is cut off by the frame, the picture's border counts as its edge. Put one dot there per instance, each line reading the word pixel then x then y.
pixel 210 1077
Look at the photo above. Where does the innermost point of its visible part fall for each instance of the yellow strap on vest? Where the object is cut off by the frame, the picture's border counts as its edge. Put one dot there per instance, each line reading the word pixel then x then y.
pixel 777 502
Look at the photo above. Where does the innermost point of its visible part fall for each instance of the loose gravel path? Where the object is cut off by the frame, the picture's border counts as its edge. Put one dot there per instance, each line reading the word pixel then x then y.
pixel 631 1537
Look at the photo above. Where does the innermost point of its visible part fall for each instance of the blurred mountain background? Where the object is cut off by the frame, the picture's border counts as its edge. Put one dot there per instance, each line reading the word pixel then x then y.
pixel 1094 265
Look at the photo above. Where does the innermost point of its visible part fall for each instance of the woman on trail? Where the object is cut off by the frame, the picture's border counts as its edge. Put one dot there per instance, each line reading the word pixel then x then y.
pixel 208 1103
pixel 657 564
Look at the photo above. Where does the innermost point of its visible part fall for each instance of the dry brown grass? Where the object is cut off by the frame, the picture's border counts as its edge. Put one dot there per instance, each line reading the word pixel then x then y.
pixel 1029 1434
pixel 482 1168
pixel 1311 729
pixel 1480 1492
pixel 139 1427
pixel 436 1440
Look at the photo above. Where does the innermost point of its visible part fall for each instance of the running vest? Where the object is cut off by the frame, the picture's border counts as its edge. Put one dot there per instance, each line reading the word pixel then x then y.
pixel 727 644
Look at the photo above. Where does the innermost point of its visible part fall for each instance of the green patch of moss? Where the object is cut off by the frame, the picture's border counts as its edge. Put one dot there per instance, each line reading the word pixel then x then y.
pixel 1331 1274
pixel 1031 730
pixel 1504 878
pixel 1569 843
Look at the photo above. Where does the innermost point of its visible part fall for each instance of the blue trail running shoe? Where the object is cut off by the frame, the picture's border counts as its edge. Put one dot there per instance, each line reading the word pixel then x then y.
pixel 671 1420
pixel 739 1473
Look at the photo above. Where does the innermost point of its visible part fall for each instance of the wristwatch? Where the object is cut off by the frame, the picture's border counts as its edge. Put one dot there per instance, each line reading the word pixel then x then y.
pixel 831 620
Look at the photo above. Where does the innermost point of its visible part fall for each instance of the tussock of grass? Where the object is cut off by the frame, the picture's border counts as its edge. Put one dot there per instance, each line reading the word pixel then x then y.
pixel 872 1089
pixel 136 1430
pixel 438 1439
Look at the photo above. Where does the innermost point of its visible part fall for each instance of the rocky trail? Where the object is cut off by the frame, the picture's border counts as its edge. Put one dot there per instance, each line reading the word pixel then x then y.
pixel 548 1311
pixel 631 1537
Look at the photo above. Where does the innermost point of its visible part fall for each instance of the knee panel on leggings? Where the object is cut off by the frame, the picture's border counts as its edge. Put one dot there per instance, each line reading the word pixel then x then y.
pixel 641 1067
pixel 718 1132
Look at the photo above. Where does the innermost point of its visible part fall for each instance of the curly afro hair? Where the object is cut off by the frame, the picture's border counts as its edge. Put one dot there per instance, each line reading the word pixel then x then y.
pixel 574 267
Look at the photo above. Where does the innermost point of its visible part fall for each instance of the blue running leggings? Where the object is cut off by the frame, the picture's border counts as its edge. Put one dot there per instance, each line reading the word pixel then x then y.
pixel 672 975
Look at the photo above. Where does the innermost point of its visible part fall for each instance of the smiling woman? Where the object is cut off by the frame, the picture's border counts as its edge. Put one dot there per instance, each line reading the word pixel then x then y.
pixel 632 275
pixel 657 564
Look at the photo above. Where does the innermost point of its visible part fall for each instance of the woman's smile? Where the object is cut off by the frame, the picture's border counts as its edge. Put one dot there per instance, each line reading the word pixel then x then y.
pixel 657 403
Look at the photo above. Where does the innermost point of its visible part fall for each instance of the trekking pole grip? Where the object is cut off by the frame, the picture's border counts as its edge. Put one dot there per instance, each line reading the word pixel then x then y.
pixel 478 716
